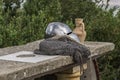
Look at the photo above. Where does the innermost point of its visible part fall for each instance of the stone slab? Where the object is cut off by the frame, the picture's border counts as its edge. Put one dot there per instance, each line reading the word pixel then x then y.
pixel 16 70
pixel 99 48
pixel 26 56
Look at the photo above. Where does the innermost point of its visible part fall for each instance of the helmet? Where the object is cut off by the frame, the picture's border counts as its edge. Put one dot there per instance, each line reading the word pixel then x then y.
pixel 60 29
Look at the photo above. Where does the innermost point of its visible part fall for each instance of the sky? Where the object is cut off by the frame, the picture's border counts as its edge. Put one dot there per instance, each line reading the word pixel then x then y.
pixel 114 2
pixel 111 2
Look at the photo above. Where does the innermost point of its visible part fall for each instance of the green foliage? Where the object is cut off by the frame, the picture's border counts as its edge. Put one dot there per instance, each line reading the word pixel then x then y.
pixel 50 8
pixel 72 9
pixel 106 28
pixel 100 26
pixel 29 24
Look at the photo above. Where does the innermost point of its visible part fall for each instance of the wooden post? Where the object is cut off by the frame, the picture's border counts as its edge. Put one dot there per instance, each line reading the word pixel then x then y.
pixel 74 76
pixel 71 74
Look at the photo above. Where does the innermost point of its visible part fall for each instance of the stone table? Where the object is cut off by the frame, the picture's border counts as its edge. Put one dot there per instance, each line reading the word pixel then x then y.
pixel 23 70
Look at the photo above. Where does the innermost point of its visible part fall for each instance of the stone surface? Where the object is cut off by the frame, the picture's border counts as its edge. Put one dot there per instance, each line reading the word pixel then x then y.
pixel 26 56
pixel 14 70
pixel 98 48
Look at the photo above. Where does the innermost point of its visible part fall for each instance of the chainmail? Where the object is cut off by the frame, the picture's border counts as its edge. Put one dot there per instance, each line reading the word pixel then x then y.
pixel 64 46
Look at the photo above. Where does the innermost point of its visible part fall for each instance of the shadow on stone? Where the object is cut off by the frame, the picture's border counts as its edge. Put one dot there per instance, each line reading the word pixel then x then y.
pixel 47 77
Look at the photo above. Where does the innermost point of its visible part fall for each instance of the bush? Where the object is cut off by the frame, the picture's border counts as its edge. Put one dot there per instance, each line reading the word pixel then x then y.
pixel 106 28
pixel 102 26
pixel 29 24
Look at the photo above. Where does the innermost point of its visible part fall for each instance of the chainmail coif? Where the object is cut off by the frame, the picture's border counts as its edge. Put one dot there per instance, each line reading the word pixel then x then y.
pixel 64 46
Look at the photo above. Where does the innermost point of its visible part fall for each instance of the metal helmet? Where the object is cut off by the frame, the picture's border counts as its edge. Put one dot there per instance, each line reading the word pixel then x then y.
pixel 60 29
